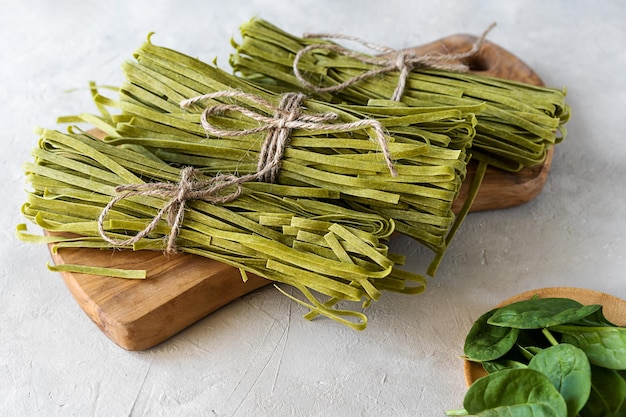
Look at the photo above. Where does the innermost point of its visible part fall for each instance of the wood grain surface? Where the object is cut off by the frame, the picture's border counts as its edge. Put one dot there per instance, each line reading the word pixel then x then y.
pixel 181 289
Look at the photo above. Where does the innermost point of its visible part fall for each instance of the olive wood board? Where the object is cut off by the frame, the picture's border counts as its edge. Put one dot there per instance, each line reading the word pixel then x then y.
pixel 181 289
pixel 613 308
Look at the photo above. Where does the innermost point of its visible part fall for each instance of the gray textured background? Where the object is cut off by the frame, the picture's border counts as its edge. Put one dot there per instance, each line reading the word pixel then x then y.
pixel 257 357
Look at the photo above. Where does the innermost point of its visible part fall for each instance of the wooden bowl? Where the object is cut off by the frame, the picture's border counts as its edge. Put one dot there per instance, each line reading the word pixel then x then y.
pixel 614 309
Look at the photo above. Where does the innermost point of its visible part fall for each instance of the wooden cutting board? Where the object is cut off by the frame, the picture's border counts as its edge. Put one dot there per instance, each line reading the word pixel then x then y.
pixel 181 289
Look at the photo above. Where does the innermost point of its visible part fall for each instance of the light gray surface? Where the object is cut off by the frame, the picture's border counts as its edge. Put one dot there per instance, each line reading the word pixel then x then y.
pixel 258 356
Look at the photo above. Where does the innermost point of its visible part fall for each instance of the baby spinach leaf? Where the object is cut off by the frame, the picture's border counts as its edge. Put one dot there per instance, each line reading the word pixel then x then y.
pixel 608 394
pixel 502 364
pixel 567 367
pixel 528 352
pixel 604 346
pixel 514 393
pixel 540 313
pixel 596 319
pixel 485 342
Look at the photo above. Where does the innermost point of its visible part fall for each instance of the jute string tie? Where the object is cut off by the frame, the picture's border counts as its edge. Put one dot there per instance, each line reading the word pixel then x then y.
pixel 286 117
pixel 396 60
pixel 188 188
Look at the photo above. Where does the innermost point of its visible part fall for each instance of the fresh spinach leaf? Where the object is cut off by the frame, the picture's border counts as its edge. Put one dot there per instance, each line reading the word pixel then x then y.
pixel 514 393
pixel 528 352
pixel 485 342
pixel 608 393
pixel 502 364
pixel 567 367
pixel 540 313
pixel 569 360
pixel 604 346
pixel 597 319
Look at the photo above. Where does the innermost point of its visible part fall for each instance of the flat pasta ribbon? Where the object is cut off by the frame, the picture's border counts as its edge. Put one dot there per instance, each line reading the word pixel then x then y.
pixel 398 60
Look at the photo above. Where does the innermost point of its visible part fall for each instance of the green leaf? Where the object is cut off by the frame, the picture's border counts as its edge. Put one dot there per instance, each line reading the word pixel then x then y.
pixel 608 394
pixel 502 364
pixel 540 313
pixel 604 346
pixel 485 342
pixel 528 352
pixel 596 319
pixel 568 368
pixel 514 393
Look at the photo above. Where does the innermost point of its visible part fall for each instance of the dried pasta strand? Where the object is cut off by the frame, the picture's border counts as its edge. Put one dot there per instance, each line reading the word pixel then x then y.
pixel 517 126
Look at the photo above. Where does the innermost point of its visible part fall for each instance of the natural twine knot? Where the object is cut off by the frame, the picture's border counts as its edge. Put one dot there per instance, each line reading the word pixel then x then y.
pixel 286 117
pixel 188 188
pixel 396 60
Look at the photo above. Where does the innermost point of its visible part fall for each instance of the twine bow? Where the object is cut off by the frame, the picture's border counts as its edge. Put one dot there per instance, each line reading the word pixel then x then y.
pixel 188 188
pixel 286 117
pixel 397 60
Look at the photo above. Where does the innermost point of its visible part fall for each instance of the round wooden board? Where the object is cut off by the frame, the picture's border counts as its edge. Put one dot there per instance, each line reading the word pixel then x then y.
pixel 613 308
pixel 182 289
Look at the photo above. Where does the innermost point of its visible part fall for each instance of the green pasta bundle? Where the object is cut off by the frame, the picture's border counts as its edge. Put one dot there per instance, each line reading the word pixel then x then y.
pixel 515 128
pixel 302 191
pixel 349 177
pixel 428 145
pixel 328 252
